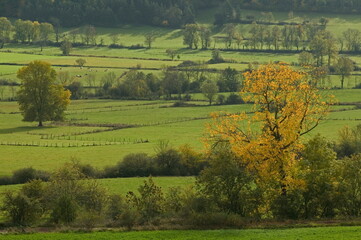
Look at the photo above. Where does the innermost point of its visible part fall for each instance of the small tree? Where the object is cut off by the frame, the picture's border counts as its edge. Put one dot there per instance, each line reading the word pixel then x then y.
pixel 209 90
pixel 191 35
pixel 24 207
pixel 344 67
pixel 216 57
pixel 80 62
pixel 171 53
pixel 150 202
pixel 115 38
pixel 305 59
pixel 149 39
pixel 63 77
pixel 5 31
pixel 66 47
pixel 46 29
pixel 40 99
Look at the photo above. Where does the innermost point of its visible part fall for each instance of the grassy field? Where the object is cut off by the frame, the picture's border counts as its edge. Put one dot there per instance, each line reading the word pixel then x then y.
pixel 329 233
pixel 94 141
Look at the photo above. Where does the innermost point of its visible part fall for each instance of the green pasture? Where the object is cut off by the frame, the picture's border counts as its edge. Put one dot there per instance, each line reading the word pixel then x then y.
pixel 94 141
pixel 320 233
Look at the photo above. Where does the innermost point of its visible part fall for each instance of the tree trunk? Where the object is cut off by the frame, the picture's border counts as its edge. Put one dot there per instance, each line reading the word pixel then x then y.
pixel 40 123
pixel 342 81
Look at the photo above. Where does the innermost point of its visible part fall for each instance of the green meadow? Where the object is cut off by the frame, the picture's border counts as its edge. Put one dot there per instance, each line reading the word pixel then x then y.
pixel 331 233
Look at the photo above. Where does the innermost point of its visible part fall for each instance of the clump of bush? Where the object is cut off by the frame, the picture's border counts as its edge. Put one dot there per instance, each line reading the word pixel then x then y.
pixel 167 161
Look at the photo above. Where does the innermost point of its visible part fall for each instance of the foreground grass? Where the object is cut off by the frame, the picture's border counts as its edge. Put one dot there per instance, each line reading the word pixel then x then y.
pixel 329 233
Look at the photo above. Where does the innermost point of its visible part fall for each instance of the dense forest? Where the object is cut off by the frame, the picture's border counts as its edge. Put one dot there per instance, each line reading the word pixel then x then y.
pixel 168 13
pixel 172 13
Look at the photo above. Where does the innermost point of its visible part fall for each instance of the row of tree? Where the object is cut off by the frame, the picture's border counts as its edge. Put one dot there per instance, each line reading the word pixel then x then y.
pixel 105 12
pixel 307 36
pixel 157 12
pixel 232 9
pixel 170 84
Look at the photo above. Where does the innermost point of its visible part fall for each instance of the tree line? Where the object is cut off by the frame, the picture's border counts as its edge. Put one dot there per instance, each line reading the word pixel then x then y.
pixel 301 37
pixel 170 84
pixel 155 12
pixel 232 9
pixel 71 13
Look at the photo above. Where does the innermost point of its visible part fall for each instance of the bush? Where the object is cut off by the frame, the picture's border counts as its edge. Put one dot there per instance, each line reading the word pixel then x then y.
pixel 227 182
pixel 234 99
pixel 89 219
pixel 26 206
pixel 150 202
pixel 168 163
pixel 21 209
pixel 136 46
pixel 27 174
pixel 318 173
pixel 70 192
pixel 349 141
pixel 350 185
pixel 135 165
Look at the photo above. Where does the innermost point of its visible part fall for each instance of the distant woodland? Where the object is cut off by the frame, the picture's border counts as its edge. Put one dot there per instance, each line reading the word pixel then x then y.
pixel 168 13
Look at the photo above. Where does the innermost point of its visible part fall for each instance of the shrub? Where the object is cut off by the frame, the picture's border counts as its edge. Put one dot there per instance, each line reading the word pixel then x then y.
pixel 318 173
pixel 349 141
pixel 150 202
pixel 168 163
pixel 21 209
pixel 227 182
pixel 25 207
pixel 135 165
pixel 116 205
pixel 68 194
pixel 27 174
pixel 350 185
pixel 234 99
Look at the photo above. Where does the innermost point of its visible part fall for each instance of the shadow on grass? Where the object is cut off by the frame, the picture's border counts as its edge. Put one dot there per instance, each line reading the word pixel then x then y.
pixel 22 129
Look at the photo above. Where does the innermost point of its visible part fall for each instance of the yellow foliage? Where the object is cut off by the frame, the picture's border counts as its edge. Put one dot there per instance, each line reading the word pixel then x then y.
pixel 286 106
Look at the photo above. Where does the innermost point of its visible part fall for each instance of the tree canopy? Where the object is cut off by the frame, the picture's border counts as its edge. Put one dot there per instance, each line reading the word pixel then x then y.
pixel 286 106
pixel 40 99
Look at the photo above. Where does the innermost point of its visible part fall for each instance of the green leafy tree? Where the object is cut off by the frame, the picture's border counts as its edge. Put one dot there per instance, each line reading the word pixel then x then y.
pixel 66 47
pixel 46 29
pixel 150 202
pixel 149 39
pixel 305 59
pixel 210 90
pixel 350 185
pixel 317 167
pixel 227 183
pixel 344 67
pixel 171 53
pixel 5 31
pixel 40 99
pixel 24 207
pixel 191 35
pixel 80 62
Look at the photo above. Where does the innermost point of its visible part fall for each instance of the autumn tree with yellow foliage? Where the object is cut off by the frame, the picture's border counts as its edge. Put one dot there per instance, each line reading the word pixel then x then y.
pixel 286 107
